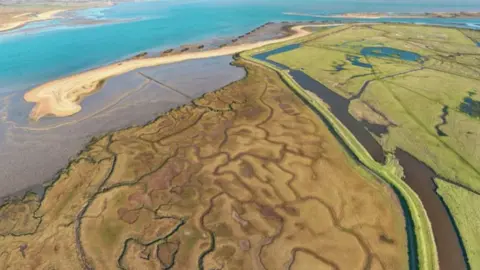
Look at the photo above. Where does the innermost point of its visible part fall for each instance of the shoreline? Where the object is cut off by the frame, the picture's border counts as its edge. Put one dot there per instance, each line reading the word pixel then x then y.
pixel 61 97
pixel 124 101
pixel 388 15
pixel 43 16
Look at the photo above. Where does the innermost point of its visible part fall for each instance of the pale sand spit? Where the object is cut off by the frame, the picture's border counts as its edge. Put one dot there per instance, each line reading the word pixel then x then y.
pixel 48 15
pixel 62 97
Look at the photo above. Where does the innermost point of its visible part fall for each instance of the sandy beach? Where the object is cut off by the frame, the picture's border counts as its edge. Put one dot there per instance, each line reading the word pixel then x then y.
pixel 62 97
pixel 28 17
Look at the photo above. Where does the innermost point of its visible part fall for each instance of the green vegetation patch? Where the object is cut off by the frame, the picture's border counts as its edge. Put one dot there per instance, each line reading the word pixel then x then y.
pixel 422 33
pixel 324 65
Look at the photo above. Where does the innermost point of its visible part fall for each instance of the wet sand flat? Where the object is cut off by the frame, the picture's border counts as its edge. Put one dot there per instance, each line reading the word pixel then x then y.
pixel 32 152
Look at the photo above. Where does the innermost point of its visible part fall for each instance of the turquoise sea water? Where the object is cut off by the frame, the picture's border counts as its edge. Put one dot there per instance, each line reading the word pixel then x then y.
pixel 44 51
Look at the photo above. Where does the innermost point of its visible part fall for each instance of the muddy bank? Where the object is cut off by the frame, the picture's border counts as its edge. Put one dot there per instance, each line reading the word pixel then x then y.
pixel 125 100
pixel 419 177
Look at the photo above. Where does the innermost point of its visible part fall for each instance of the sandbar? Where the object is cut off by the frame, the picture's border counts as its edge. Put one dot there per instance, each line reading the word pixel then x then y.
pixel 62 97
pixel 28 17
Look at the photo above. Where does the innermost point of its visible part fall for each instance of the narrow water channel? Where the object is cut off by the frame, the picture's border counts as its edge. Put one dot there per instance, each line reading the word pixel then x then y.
pixel 339 107
pixel 417 175
pixel 444 122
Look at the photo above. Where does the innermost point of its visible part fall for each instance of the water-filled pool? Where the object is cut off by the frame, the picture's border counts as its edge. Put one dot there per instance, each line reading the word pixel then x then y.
pixel 391 53
pixel 355 60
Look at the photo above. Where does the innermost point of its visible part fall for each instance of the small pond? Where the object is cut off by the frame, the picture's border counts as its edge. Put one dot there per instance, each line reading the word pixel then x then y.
pixel 355 60
pixel 390 53
pixel 470 106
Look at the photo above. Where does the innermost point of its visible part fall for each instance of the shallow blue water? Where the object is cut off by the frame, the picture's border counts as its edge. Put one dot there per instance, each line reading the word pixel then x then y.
pixel 390 52
pixel 47 50
pixel 355 60
pixel 470 106
pixel 264 56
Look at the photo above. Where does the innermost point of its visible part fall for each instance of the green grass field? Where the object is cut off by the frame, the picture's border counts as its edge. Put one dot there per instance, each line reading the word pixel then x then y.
pixel 438 80
pixel 411 94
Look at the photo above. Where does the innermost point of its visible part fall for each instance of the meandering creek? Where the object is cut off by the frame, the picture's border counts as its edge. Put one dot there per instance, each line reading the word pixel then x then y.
pixel 417 175
pixel 443 116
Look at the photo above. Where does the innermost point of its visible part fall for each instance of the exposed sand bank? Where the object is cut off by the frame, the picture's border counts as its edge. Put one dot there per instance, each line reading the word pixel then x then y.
pixel 62 97
pixel 24 18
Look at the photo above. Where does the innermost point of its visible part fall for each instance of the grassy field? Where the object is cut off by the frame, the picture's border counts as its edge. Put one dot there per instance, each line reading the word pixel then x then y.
pixel 473 35
pixel 397 82
pixel 411 94
pixel 246 177
pixel 322 64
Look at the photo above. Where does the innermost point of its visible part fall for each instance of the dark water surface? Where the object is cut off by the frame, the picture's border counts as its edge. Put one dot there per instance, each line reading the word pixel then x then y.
pixel 470 106
pixel 444 122
pixel 339 107
pixel 419 177
pixel 264 56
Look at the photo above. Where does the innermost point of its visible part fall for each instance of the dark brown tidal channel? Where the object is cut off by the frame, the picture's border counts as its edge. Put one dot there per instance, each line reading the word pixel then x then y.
pixel 451 252
pixel 418 176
